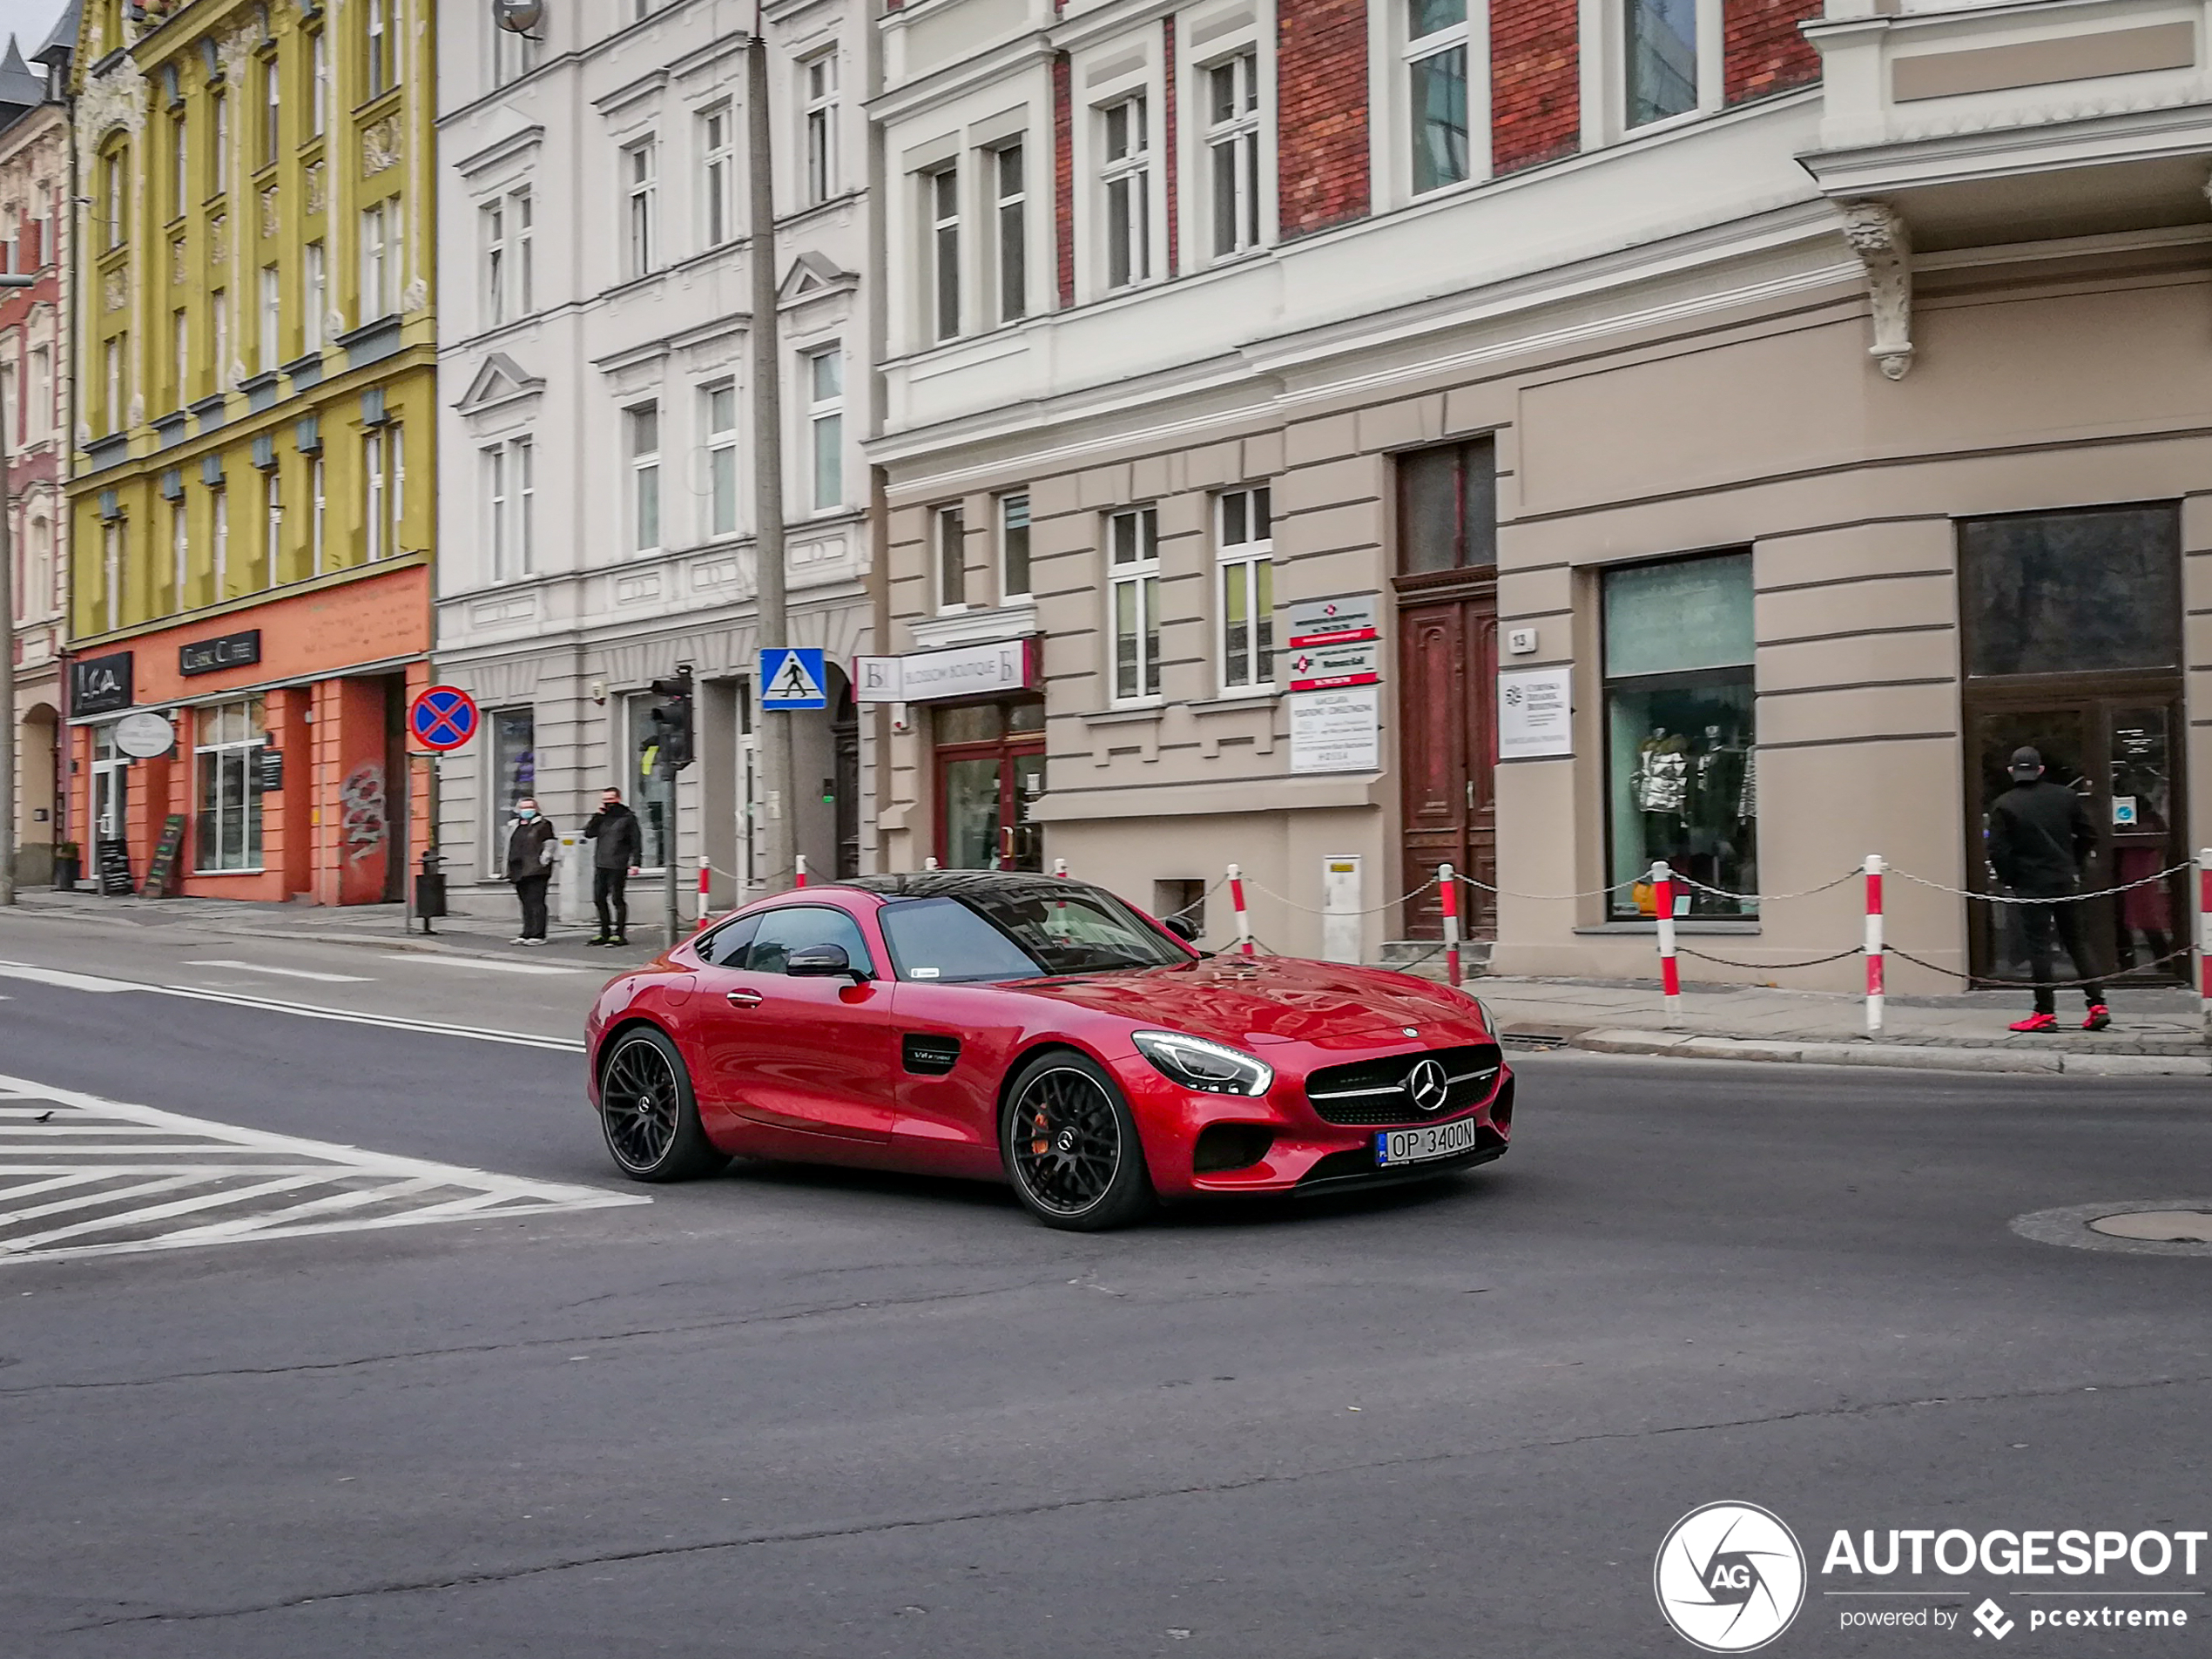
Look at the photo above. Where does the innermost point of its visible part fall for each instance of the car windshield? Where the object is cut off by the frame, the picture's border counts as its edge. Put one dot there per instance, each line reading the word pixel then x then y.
pixel 987 935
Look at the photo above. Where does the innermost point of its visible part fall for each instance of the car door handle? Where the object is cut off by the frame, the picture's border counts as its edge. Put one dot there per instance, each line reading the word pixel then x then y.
pixel 744 999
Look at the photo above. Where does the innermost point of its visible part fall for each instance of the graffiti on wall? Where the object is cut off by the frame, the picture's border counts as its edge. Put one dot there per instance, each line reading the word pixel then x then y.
pixel 360 799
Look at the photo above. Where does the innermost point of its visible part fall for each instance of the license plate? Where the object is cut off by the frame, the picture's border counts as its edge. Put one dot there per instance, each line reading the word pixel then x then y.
pixel 1395 1146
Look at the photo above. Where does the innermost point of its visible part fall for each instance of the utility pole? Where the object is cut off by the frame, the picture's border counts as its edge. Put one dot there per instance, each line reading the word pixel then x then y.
pixel 773 624
pixel 10 279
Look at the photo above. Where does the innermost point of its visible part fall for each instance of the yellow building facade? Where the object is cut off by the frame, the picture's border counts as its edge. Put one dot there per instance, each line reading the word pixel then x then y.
pixel 252 500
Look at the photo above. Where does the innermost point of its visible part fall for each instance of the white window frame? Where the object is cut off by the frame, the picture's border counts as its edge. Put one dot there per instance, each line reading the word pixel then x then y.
pixel 522 238
pixel 220 117
pixel 1124 190
pixel 376 297
pixel 218 508
pixel 511 495
pixel 113 354
pixel 273 525
pixel 644 479
pixel 1604 73
pixel 384 479
pixel 1009 230
pixel 718 175
pixel 314 295
pixel 492 220
pixel 940 215
pixel 721 501
pixel 1392 53
pixel 271 68
pixel 319 508
pixel 1457 38
pixel 1133 574
pixel 224 752
pixel 272 340
pixel 1003 511
pixel 319 82
pixel 1248 562
pixel 1239 136
pixel 180 553
pixel 179 166
pixel 641 206
pixel 825 426
pixel 219 308
pixel 948 556
pixel 379 46
pixel 180 348
pixel 818 154
pixel 112 572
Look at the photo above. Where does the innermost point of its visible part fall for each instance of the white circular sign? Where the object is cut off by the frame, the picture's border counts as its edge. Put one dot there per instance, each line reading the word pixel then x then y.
pixel 144 735
pixel 1729 1577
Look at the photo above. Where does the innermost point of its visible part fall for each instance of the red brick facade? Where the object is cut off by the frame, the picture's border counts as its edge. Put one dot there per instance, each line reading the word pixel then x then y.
pixel 1321 114
pixel 1763 52
pixel 1063 179
pixel 1535 82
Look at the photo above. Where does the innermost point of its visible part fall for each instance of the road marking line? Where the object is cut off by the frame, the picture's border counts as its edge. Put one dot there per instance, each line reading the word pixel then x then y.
pixel 489 964
pixel 144 1190
pixel 358 1199
pixel 163 1212
pixel 66 980
pixel 288 972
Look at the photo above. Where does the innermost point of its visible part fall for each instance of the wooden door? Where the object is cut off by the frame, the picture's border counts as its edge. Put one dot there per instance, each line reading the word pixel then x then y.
pixel 1447 752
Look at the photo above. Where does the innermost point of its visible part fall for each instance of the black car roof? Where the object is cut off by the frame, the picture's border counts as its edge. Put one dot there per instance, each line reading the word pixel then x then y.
pixel 959 884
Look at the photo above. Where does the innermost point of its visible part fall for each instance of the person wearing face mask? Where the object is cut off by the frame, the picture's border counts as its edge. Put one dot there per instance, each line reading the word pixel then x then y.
pixel 530 844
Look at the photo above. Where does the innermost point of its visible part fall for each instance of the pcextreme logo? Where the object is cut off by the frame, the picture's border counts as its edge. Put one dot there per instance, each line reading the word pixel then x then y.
pixel 1729 1577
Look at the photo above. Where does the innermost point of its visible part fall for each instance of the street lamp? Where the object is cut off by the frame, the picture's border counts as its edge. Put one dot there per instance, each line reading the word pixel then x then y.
pixel 8 279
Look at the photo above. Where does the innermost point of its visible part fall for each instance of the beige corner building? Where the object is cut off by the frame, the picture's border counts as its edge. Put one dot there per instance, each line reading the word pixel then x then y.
pixel 1734 489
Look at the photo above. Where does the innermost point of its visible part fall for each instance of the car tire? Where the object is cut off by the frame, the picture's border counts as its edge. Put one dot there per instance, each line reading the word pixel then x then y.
pixel 649 1114
pixel 1070 1145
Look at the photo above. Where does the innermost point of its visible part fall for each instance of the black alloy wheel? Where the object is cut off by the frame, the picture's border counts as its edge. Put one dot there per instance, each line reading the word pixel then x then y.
pixel 1071 1146
pixel 648 1112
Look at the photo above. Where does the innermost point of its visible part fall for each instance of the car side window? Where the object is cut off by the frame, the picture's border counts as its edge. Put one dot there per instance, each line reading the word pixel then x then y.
pixel 796 927
pixel 725 947
pixel 943 940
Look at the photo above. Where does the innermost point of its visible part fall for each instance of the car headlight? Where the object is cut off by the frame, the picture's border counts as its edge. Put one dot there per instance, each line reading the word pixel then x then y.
pixel 1209 1067
pixel 1489 1020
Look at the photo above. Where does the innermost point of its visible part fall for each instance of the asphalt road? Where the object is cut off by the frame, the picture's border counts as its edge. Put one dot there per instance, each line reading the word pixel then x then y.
pixel 808 1413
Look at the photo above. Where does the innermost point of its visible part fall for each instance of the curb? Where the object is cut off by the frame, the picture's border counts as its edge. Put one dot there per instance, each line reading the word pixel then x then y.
pixel 1905 1057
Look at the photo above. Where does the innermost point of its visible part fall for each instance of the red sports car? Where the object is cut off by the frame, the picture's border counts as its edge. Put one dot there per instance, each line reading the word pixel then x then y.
pixel 1039 1030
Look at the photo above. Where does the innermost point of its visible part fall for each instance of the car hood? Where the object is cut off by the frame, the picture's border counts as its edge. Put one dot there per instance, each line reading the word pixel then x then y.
pixel 1270 998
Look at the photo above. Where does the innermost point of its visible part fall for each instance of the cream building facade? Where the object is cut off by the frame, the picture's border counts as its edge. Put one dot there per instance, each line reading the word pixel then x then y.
pixel 1816 449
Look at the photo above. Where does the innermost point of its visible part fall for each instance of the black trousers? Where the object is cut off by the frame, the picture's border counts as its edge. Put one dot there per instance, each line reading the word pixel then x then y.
pixel 2037 922
pixel 610 898
pixel 530 889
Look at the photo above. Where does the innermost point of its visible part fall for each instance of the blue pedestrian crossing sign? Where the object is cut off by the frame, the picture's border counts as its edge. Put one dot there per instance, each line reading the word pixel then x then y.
pixel 791 677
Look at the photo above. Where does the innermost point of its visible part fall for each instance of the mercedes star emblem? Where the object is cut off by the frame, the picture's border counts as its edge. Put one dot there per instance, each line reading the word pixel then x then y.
pixel 1428 1087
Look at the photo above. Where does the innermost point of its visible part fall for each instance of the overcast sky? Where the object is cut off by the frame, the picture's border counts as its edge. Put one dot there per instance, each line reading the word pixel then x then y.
pixel 28 21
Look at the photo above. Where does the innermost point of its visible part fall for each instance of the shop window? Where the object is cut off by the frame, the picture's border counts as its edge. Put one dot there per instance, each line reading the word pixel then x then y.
pixel 1681 778
pixel 2062 593
pixel 514 765
pixel 655 799
pixel 1447 508
pixel 226 756
pixel 1133 579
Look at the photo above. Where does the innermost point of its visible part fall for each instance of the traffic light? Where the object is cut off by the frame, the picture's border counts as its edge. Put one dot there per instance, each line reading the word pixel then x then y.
pixel 669 740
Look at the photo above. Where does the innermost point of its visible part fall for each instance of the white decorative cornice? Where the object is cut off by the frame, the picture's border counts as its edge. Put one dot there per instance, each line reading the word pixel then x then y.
pixel 1877 234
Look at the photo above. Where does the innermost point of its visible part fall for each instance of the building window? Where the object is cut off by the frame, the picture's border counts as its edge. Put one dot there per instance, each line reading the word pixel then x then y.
pixel 112 572
pixel 719 178
pixel 271 344
pixel 382 45
pixel 1245 556
pixel 272 104
pixel 272 526
pixel 821 127
pixel 1124 176
pixel 1010 227
pixel 1447 508
pixel 226 757
pixel 1133 580
pixel 1660 40
pixel 508 486
pixel 941 191
pixel 644 423
pixel 1682 785
pixel 1436 90
pixel 514 761
pixel 314 295
pixel 722 460
pixel 380 261
pixel 826 429
pixel 494 221
pixel 1014 549
pixel 218 507
pixel 522 230
pixel 218 311
pixel 384 471
pixel 180 351
pixel 951 530
pixel 114 364
pixel 317 506
pixel 219 158
pixel 41 410
pixel 654 786
pixel 180 555
pixel 1232 152
pixel 115 188
pixel 318 82
pixel 640 165
pixel 180 166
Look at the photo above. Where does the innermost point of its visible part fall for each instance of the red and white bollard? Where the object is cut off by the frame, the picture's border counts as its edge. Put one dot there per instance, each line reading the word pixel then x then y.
pixel 1060 868
pixel 2204 936
pixel 929 863
pixel 706 901
pixel 800 860
pixel 1243 916
pixel 1874 944
pixel 1448 885
pixel 1663 896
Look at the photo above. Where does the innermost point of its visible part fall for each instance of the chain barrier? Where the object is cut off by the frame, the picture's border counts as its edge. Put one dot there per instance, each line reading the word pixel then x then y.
pixel 1198 903
pixel 1855 950
pixel 1376 910
pixel 1593 893
pixel 2029 984
pixel 2064 897
pixel 1770 898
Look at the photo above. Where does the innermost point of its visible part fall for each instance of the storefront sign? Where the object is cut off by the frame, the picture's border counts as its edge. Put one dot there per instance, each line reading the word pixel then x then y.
pixel 1324 668
pixel 272 773
pixel 144 735
pixel 1336 731
pixel 100 685
pixel 1535 713
pixel 958 671
pixel 1332 622
pixel 211 656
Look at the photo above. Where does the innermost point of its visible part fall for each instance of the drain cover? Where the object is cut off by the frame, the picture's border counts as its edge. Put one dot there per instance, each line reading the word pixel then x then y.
pixel 2161 1227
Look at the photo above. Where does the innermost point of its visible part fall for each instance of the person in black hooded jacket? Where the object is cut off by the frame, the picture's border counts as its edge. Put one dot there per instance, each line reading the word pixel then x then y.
pixel 2040 836
pixel 618 843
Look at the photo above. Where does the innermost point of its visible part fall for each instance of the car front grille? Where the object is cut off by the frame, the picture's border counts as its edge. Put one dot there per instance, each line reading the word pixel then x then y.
pixel 1370 1092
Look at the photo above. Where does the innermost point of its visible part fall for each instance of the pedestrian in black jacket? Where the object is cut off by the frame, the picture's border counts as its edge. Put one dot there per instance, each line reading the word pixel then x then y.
pixel 617 846
pixel 2040 836
pixel 530 844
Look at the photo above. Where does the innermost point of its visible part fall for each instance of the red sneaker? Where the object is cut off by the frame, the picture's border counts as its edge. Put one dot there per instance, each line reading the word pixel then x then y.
pixel 2037 1023
pixel 2100 1017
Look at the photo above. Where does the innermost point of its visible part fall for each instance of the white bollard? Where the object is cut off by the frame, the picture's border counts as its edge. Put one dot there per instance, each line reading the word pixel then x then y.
pixel 2204 937
pixel 1243 916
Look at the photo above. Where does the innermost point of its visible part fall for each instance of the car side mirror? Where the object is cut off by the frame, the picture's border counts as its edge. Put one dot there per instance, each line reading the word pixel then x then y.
pixel 820 961
pixel 1183 928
